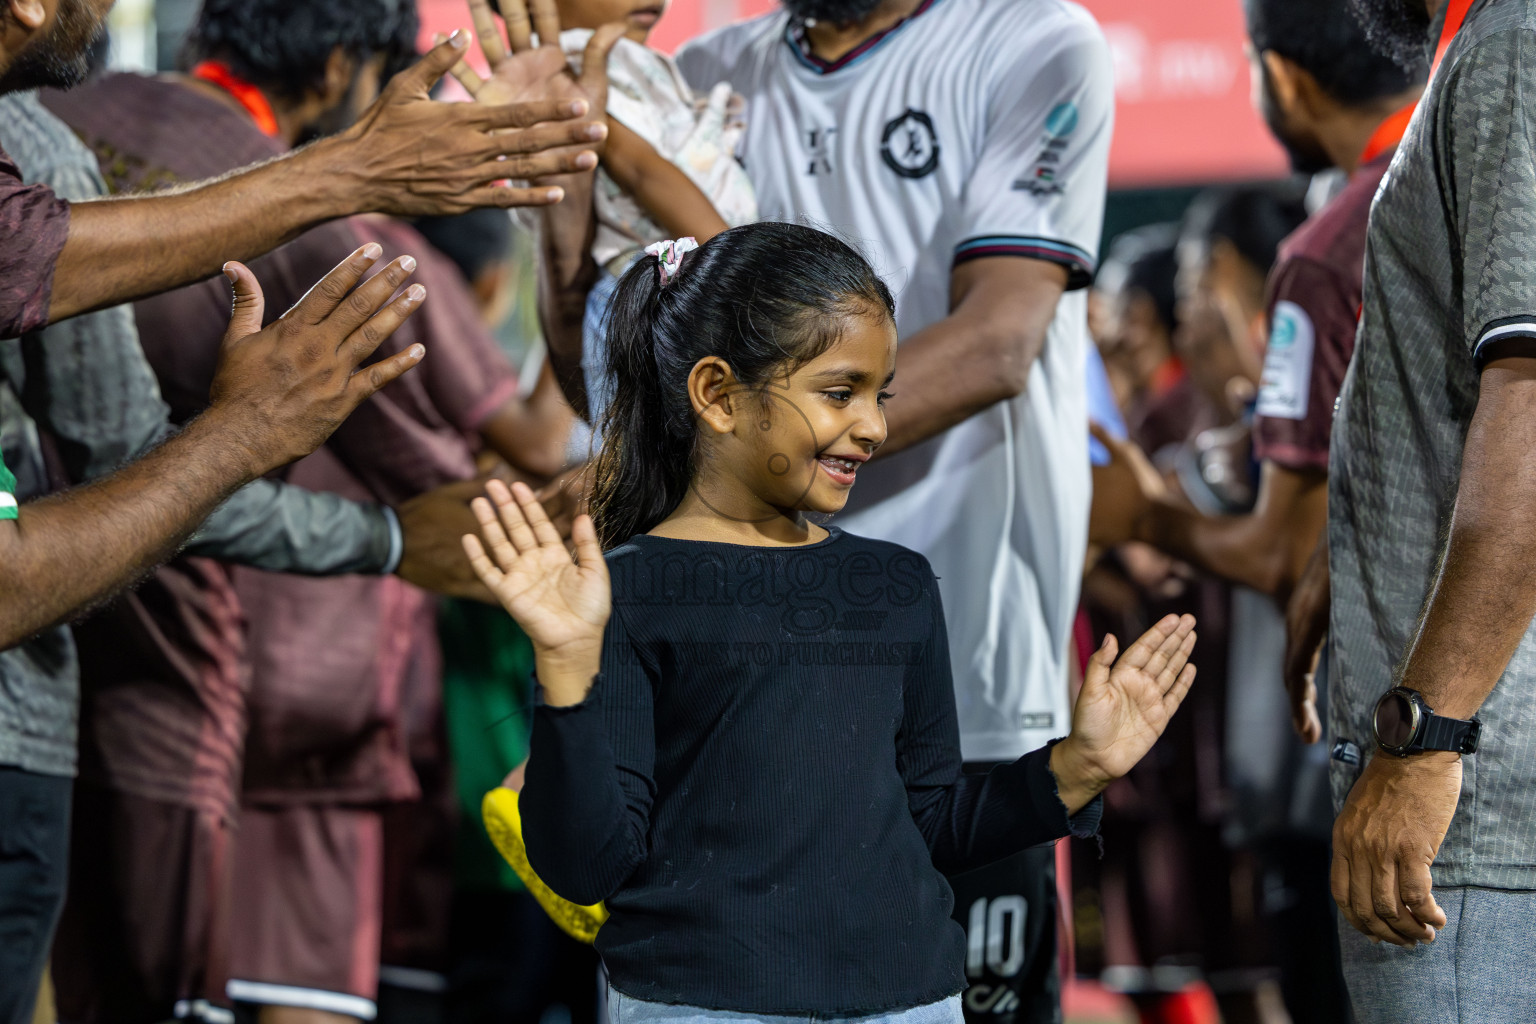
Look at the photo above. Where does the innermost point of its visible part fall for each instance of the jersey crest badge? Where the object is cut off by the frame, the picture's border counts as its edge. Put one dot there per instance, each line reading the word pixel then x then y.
pixel 909 146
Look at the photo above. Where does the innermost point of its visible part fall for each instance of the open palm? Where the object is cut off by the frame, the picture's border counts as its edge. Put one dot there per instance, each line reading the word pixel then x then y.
pixel 1124 706
pixel 562 605
pixel 521 71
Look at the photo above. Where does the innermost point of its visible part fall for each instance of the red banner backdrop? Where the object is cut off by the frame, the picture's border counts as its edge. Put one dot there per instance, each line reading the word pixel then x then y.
pixel 1183 114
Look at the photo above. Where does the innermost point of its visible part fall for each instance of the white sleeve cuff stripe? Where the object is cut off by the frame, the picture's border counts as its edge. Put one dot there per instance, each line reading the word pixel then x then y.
pixel 7 500
pixel 303 998
pixel 1528 329
pixel 396 542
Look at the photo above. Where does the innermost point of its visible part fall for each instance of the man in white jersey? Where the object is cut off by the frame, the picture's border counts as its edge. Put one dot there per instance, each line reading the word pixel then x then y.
pixel 963 145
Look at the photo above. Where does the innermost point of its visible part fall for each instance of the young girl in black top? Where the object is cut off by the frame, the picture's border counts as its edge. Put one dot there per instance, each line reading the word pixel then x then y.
pixel 747 744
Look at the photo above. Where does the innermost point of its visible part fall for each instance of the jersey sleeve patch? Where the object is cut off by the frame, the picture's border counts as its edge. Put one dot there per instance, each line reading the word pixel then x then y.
pixel 1287 381
pixel 1076 259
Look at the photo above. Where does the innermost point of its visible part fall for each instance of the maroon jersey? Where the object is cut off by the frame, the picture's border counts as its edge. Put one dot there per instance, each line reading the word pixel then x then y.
pixel 1314 308
pixel 34 223
pixel 312 662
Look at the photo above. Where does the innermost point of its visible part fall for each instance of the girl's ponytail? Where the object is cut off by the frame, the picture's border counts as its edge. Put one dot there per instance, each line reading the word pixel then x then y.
pixel 645 464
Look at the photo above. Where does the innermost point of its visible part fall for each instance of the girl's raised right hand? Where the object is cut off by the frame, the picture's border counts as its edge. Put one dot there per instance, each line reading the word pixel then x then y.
pixel 562 605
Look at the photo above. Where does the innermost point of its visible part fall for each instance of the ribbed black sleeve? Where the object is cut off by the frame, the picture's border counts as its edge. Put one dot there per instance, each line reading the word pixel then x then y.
pixel 765 782
pixel 588 786
pixel 971 820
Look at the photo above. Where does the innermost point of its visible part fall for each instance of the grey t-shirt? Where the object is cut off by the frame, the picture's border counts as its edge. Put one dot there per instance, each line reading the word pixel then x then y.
pixel 86 381
pixel 1450 283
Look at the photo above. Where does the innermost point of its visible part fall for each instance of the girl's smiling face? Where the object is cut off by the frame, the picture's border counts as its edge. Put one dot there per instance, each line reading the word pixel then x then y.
pixel 795 444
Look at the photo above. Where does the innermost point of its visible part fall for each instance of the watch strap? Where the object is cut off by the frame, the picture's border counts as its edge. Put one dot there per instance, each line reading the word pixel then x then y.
pixel 1454 734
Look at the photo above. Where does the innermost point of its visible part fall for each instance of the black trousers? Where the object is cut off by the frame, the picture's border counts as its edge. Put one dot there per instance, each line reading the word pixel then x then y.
pixel 34 865
pixel 1008 911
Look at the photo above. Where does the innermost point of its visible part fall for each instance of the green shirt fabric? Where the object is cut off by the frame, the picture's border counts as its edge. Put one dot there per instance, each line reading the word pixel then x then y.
pixel 7 492
pixel 487 690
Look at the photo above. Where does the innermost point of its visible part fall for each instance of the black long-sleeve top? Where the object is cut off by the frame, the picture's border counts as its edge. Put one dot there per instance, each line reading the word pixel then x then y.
pixel 764 783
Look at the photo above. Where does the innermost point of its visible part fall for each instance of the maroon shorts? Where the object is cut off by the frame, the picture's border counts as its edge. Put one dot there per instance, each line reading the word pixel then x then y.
pixel 308 902
pixel 143 935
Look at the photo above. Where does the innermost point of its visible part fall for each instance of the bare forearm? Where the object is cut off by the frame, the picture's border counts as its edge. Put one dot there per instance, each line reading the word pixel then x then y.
pixel 949 373
pixel 980 354
pixel 566 677
pixel 1267 549
pixel 1235 548
pixel 1306 613
pixel 73 550
pixel 1484 596
pixel 124 249
pixel 674 202
pixel 661 188
pixel 567 273
pixel 530 434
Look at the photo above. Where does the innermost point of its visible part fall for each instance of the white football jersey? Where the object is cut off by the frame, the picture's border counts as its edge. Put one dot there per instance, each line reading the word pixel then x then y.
pixel 974 128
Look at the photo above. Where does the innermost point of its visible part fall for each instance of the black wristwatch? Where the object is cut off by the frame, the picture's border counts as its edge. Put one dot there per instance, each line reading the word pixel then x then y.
pixel 1404 724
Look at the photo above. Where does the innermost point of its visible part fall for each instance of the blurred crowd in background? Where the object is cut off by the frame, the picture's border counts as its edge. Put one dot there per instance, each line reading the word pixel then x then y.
pixel 1207 899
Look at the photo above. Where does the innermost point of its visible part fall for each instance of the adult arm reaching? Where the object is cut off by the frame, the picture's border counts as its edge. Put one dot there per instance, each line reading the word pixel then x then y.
pixel 1266 549
pixel 979 355
pixel 407 155
pixel 279 393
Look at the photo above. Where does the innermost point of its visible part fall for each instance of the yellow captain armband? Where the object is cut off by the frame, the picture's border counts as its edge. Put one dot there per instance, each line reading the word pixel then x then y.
pixel 505 826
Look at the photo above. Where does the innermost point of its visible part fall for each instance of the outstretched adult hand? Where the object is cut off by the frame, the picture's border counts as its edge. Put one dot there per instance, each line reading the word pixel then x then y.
pixel 520 70
pixel 562 604
pixel 281 390
pixel 1123 708
pixel 412 155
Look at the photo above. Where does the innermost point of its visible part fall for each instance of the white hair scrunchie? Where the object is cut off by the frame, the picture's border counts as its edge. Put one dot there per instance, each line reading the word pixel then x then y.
pixel 669 255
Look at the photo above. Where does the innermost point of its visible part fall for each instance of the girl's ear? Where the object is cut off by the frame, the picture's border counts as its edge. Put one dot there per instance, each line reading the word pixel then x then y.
pixel 711 388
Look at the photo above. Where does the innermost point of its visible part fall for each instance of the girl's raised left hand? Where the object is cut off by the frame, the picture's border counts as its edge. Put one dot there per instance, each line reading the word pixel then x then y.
pixel 562 605
pixel 1123 708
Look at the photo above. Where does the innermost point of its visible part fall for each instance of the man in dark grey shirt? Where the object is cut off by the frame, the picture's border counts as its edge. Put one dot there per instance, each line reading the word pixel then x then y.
pixel 1432 535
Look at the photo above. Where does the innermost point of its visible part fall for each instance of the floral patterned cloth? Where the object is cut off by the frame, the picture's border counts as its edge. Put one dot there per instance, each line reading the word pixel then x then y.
pixel 647 94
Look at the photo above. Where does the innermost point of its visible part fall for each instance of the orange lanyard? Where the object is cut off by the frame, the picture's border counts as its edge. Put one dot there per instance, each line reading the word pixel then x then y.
pixel 244 93
pixel 1391 131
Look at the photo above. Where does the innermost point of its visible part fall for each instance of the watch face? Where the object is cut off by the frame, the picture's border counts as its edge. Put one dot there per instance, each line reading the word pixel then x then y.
pixel 1394 720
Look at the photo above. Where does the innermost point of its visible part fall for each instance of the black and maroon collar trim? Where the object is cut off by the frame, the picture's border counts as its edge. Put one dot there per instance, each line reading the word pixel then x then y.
pixel 794 38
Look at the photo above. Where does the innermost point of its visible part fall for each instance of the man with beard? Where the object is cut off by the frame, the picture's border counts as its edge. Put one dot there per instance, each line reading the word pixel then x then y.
pixel 1332 102
pixel 965 145
pixel 1432 538
pixel 408 156
pixel 325 662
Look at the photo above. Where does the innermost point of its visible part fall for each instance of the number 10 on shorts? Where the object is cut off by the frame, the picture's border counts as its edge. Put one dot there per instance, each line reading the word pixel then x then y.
pixel 995 936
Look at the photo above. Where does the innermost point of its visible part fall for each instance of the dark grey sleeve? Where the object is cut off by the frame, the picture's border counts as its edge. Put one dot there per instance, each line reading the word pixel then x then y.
pixel 1488 133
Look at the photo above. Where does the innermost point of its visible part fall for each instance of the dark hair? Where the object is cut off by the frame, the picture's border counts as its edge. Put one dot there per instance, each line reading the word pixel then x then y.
pixel 765 298
pixel 1254 219
pixel 1326 39
pixel 281 46
pixel 1145 259
pixel 473 240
